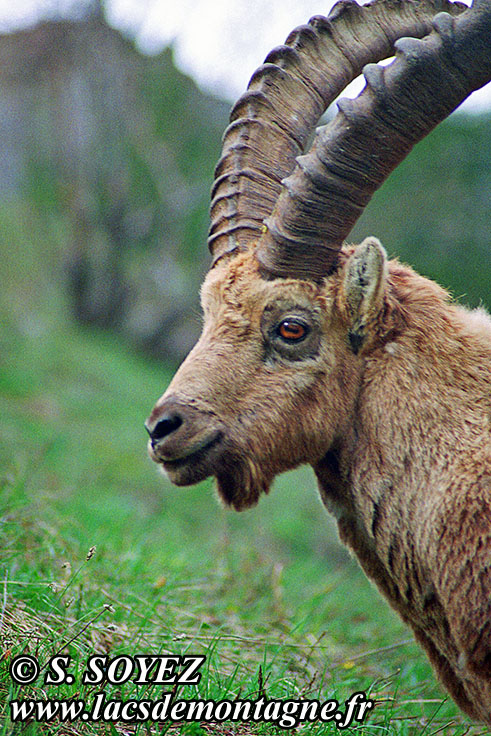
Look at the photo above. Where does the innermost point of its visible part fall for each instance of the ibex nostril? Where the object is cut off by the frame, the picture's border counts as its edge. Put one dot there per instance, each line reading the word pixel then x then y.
pixel 167 424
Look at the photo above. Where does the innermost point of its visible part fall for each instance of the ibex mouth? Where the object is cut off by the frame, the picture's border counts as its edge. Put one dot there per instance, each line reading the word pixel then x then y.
pixel 193 465
pixel 194 454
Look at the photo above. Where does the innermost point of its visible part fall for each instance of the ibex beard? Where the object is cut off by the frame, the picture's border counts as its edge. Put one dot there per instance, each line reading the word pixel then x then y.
pixel 256 403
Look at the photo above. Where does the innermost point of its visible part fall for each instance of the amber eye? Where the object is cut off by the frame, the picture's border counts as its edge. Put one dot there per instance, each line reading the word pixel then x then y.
pixel 292 330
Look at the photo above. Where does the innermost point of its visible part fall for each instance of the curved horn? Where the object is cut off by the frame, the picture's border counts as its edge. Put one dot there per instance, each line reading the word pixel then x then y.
pixel 272 122
pixel 353 155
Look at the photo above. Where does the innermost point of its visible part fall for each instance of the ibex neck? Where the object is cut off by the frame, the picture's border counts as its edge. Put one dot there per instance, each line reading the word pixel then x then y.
pixel 420 417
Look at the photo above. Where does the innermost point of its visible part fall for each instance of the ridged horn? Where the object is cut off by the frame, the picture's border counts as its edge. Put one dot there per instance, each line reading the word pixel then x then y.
pixel 354 154
pixel 271 124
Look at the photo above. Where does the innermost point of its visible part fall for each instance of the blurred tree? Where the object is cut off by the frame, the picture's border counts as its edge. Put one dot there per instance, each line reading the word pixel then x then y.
pixel 124 145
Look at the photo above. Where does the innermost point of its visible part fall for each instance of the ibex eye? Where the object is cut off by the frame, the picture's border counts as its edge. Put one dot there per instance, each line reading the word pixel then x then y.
pixel 292 330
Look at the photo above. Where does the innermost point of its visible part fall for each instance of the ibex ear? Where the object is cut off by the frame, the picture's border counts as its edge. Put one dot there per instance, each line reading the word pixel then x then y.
pixel 363 289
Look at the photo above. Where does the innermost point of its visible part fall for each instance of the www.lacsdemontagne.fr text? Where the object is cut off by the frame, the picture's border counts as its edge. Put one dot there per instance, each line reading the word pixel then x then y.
pixel 283 713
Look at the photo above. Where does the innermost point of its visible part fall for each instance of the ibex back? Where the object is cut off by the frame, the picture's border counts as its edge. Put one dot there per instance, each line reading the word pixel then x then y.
pixel 317 352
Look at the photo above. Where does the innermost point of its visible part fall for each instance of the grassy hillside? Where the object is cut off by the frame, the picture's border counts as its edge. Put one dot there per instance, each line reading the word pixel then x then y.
pixel 269 597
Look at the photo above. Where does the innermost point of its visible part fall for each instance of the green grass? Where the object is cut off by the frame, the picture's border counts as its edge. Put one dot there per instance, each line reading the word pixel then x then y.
pixel 269 596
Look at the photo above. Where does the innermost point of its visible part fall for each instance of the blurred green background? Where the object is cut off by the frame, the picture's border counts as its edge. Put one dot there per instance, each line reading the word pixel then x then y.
pixel 106 163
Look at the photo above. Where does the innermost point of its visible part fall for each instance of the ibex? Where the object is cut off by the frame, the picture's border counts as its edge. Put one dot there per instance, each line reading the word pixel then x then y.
pixel 318 352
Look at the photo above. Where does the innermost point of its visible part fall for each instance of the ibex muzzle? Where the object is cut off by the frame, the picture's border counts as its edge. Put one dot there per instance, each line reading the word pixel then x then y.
pixel 316 352
pixel 182 439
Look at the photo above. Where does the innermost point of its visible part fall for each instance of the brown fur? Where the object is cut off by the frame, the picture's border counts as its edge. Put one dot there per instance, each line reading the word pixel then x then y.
pixel 389 399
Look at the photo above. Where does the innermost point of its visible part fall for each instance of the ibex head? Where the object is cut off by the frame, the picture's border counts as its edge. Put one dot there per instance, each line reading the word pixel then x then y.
pixel 289 312
pixel 272 381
